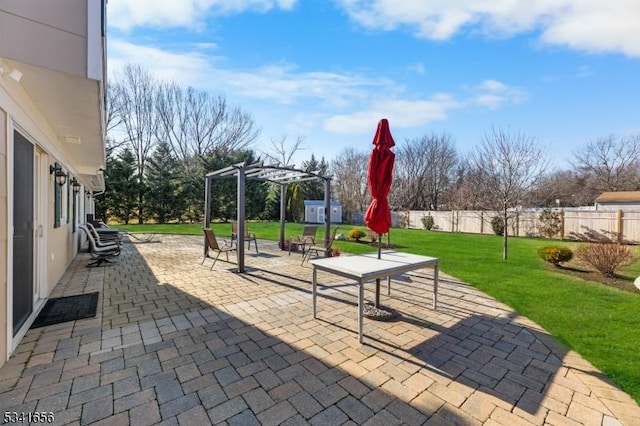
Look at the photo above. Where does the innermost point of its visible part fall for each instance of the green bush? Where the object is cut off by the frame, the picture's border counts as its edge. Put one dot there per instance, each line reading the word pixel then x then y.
pixel 356 234
pixel 555 254
pixel 497 224
pixel 428 222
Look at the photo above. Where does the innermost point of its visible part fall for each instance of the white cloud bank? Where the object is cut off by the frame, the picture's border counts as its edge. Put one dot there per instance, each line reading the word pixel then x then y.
pixel 360 99
pixel 585 25
pixel 128 14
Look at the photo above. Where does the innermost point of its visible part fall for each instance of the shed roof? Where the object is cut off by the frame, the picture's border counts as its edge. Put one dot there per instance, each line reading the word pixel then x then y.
pixel 334 203
pixel 619 197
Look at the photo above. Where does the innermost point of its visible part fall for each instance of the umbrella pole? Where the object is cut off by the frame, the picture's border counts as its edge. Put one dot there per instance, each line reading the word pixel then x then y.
pixel 378 279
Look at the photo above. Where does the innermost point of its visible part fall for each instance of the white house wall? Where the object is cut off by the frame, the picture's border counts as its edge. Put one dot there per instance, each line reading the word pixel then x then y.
pixel 17 112
pixel 4 239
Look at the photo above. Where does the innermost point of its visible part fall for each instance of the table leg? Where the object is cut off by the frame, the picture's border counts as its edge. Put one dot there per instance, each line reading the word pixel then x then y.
pixel 389 285
pixel 314 285
pixel 360 309
pixel 435 286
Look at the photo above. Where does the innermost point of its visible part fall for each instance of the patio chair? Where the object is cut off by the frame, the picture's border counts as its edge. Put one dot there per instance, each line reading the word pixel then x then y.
pixel 308 237
pixel 248 237
pixel 212 245
pixel 104 238
pixel 100 253
pixel 320 249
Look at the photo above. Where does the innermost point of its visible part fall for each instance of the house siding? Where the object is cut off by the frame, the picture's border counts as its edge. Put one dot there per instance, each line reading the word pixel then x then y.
pixel 52 34
pixel 3 234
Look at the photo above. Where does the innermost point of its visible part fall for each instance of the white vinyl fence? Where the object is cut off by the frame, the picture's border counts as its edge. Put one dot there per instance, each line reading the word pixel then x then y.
pixel 575 224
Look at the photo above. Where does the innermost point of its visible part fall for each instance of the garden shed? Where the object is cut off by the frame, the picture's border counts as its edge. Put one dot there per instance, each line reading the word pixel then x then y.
pixel 619 200
pixel 314 211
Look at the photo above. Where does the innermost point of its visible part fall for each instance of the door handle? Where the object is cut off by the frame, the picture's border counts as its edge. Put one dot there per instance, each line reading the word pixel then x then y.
pixel 40 231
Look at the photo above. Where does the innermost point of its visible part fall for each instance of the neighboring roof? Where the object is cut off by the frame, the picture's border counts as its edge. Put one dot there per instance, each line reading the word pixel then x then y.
pixel 320 203
pixel 619 197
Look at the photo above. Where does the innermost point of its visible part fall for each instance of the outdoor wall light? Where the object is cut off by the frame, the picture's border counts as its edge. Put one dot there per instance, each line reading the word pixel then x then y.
pixel 76 185
pixel 61 177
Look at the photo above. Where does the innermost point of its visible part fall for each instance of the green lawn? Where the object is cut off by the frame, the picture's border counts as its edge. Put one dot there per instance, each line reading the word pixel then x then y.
pixel 600 323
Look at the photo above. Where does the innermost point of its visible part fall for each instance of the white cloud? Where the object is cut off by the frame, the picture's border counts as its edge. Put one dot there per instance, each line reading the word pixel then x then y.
pixel 586 25
pixel 494 94
pixel 340 103
pixel 401 113
pixel 128 14
pixel 280 83
pixel 417 68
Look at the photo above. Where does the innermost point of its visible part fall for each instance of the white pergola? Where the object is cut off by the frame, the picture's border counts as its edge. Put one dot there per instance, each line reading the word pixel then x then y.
pixel 268 173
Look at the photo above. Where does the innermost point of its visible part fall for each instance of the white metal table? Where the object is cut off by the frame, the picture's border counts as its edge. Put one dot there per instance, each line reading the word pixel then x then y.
pixel 368 267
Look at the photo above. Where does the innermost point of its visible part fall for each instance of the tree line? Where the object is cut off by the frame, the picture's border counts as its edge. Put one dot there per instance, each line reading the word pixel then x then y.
pixel 163 138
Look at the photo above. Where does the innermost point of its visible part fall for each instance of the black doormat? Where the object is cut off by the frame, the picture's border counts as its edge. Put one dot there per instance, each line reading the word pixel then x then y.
pixel 70 308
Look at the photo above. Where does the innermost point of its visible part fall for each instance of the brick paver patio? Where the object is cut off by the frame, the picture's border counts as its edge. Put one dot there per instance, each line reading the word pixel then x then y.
pixel 175 343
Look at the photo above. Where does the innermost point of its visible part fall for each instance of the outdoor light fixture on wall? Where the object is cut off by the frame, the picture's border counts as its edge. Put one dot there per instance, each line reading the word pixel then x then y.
pixel 76 185
pixel 61 177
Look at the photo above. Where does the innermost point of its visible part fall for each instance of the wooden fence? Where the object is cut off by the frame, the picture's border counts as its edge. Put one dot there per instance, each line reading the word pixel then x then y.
pixel 575 224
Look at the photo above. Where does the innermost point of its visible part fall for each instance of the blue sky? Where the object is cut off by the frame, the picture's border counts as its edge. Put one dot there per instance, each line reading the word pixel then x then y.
pixel 565 71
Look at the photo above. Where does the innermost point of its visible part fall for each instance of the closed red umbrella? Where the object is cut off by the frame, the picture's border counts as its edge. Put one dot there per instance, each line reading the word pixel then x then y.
pixel 380 178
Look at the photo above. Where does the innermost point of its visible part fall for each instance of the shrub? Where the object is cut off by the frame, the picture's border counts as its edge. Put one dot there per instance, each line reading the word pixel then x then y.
pixel 428 222
pixel 497 224
pixel 356 234
pixel 373 236
pixel 555 254
pixel 550 223
pixel 606 257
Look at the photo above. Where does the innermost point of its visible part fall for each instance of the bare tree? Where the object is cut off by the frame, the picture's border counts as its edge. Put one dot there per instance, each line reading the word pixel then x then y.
pixel 113 118
pixel 609 164
pixel 136 89
pixel 196 123
pixel 424 168
pixel 349 183
pixel 562 188
pixel 281 151
pixel 508 165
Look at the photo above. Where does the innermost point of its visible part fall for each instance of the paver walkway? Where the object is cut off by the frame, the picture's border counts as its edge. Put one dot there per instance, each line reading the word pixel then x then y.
pixel 175 343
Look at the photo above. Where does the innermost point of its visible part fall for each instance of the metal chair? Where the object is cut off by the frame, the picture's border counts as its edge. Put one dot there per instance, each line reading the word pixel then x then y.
pixel 248 237
pixel 308 237
pixel 212 244
pixel 320 249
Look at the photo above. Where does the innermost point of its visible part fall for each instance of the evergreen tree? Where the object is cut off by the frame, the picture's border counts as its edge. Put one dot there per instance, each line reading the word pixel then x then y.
pixel 272 203
pixel 161 197
pixel 295 203
pixel 191 190
pixel 314 189
pixel 121 195
pixel 224 190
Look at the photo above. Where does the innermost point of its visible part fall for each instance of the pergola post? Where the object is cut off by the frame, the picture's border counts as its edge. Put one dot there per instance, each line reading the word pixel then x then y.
pixel 327 212
pixel 283 212
pixel 241 217
pixel 207 210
